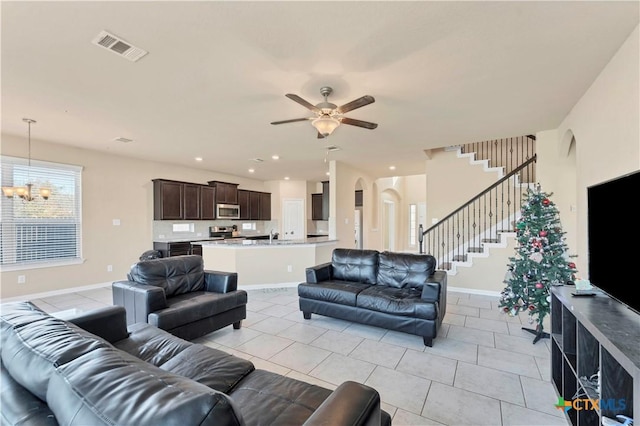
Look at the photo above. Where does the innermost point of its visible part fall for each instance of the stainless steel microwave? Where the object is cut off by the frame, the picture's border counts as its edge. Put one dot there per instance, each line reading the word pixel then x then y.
pixel 227 211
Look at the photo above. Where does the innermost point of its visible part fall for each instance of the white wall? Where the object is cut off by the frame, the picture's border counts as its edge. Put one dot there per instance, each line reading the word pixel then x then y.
pixel 606 126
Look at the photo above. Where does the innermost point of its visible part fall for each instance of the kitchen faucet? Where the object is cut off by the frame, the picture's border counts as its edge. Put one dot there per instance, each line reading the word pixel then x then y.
pixel 271 235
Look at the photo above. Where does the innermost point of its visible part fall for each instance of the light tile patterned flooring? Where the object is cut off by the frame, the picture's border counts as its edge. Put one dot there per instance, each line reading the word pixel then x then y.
pixel 482 369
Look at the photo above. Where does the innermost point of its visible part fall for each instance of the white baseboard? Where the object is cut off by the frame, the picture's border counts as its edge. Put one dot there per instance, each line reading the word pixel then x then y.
pixel 474 291
pixel 243 287
pixel 263 286
pixel 54 293
pixel 99 285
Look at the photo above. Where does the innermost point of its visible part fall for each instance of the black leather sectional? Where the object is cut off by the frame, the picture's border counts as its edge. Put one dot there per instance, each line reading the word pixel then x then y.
pixel 92 370
pixel 396 291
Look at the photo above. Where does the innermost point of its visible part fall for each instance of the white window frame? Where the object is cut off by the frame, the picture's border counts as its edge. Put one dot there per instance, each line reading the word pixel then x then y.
pixel 413 225
pixel 9 224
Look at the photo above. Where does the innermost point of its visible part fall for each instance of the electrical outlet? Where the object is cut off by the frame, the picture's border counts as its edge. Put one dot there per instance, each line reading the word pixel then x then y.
pixel 116 222
pixel 22 279
pixel 161 236
pixel 109 268
pixel 289 268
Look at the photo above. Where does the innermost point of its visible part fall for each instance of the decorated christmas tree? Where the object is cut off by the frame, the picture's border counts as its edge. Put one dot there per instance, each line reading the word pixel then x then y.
pixel 541 261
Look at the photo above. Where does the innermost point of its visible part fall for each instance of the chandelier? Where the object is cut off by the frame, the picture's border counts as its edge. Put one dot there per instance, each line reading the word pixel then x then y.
pixel 25 192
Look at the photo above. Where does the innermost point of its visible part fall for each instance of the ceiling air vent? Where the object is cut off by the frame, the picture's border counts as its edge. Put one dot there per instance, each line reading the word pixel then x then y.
pixel 333 148
pixel 123 140
pixel 256 160
pixel 118 46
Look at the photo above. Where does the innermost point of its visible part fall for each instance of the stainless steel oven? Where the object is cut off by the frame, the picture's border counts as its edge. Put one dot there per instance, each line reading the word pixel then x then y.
pixel 227 211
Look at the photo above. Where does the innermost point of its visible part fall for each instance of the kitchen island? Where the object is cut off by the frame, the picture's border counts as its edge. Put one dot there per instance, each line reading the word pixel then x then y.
pixel 267 263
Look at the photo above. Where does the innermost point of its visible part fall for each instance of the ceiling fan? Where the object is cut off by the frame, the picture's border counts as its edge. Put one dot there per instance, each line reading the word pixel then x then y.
pixel 329 116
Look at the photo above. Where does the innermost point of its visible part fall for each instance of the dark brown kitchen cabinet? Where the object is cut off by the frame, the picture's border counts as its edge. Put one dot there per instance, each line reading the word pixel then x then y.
pixel 243 202
pixel 316 206
pixel 168 200
pixel 254 205
pixel 207 202
pixel 175 200
pixel 265 206
pixel 226 193
pixel 325 200
pixel 191 201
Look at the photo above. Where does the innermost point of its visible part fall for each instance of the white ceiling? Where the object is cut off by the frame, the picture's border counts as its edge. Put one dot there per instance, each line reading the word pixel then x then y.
pixel 442 73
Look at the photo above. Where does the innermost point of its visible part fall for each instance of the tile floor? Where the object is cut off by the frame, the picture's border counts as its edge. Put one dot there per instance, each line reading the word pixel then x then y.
pixel 482 369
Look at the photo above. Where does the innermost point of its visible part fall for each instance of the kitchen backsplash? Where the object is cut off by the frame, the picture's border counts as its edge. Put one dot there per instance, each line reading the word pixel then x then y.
pixel 187 229
pixel 317 227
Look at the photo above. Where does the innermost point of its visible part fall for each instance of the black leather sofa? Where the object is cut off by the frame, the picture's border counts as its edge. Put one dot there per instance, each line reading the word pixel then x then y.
pixel 94 370
pixel 396 291
pixel 176 294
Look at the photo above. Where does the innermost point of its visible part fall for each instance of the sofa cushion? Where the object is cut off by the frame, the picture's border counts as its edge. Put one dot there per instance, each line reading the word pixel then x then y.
pixel 359 266
pixel 190 307
pixel 213 368
pixel 397 301
pixel 268 398
pixel 21 407
pixel 176 275
pixel 151 344
pixel 341 292
pixel 404 269
pixel 34 343
pixel 109 386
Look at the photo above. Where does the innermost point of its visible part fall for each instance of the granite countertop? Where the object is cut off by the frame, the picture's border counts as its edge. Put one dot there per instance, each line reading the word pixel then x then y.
pixel 266 243
pixel 185 240
pixel 238 239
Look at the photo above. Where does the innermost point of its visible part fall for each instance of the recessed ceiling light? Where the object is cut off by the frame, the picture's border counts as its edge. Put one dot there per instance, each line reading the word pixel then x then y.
pixel 275 157
pixel 286 178
pixel 392 167
pixel 198 158
pixel 251 170
pixel 328 174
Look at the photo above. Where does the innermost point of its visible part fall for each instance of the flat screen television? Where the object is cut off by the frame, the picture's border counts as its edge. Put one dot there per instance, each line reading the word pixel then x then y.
pixel 614 238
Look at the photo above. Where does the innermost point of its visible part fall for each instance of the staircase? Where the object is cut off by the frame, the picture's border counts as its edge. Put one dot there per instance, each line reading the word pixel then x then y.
pixel 487 219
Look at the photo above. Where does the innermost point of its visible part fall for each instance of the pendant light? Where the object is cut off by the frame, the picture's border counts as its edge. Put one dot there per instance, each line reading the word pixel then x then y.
pixel 25 192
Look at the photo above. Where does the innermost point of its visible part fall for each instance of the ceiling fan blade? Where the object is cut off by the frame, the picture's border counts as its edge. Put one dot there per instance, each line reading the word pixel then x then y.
pixel 291 121
pixel 359 123
pixel 360 102
pixel 304 103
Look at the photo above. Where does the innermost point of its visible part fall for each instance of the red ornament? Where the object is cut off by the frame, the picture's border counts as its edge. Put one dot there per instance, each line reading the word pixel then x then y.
pixel 531 307
pixel 506 309
pixel 539 285
pixel 571 265
pixel 543 233
pixel 545 202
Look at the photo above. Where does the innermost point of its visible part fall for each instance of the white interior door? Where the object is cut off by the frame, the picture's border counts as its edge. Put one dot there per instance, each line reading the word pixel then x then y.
pixel 293 219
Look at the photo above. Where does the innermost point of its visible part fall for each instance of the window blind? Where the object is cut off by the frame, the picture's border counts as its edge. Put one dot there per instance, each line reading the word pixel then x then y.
pixel 40 232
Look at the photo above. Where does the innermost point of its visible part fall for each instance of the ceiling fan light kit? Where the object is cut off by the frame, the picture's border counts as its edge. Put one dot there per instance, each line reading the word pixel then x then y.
pixel 325 125
pixel 329 116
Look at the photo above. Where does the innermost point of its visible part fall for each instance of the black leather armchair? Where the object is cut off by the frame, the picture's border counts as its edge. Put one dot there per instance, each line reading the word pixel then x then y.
pixel 176 294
